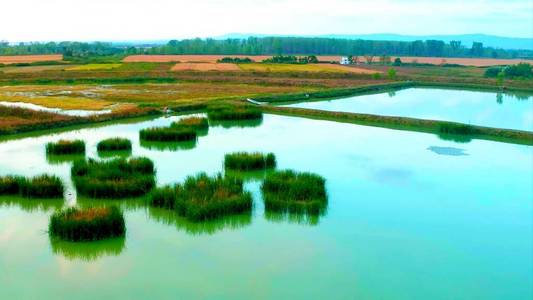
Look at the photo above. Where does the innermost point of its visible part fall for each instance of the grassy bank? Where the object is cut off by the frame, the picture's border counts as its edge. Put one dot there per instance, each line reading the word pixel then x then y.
pixel 451 130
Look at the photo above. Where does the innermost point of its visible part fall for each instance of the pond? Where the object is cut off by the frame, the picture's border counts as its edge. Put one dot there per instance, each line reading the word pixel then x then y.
pixel 510 111
pixel 410 216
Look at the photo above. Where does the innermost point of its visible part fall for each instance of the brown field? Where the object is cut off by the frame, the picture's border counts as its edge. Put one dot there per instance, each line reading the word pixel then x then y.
pixel 29 58
pixel 205 67
pixel 31 69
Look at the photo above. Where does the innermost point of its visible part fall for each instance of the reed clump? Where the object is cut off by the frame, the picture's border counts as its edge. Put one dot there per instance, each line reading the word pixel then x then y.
pixel 118 178
pixel 88 224
pixel 62 147
pixel 167 134
pixel 202 197
pixel 226 112
pixel 42 186
pixel 195 123
pixel 249 161
pixel 114 144
pixel 293 192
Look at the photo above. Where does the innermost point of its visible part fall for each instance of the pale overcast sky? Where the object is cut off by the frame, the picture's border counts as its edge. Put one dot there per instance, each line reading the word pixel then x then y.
pixel 38 20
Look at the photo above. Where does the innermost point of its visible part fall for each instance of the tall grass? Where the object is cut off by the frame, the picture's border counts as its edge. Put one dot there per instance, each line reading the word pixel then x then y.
pixel 196 123
pixel 167 134
pixel 118 178
pixel 202 197
pixel 168 146
pixel 42 186
pixel 114 144
pixel 244 161
pixel 89 224
pixel 66 147
pixel 225 112
pixel 293 192
pixel 455 128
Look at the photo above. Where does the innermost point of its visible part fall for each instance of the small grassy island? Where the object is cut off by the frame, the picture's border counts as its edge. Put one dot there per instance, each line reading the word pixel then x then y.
pixel 293 192
pixel 202 197
pixel 42 186
pixel 244 161
pixel 118 178
pixel 63 147
pixel 195 123
pixel 167 134
pixel 233 112
pixel 114 144
pixel 89 224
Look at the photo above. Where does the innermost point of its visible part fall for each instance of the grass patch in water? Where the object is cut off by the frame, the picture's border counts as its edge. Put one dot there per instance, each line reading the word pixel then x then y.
pixel 167 134
pixel 114 144
pixel 236 123
pixel 293 192
pixel 202 197
pixel 118 178
pixel 42 186
pixel 88 224
pixel 233 112
pixel 66 147
pixel 195 123
pixel 249 161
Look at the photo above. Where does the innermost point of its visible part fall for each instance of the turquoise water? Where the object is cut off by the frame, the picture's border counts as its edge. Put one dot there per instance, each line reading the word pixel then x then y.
pixel 410 216
pixel 470 107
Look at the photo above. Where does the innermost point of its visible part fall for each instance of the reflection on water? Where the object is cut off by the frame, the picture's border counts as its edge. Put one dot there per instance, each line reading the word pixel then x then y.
pixel 115 154
pixel 168 146
pixel 88 251
pixel 248 176
pixel 63 159
pixel 31 205
pixel 237 123
pixel 294 217
pixel 169 217
pixel 448 151
pixel 458 138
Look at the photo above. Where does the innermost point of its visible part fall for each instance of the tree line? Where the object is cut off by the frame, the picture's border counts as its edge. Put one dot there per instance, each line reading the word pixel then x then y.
pixel 272 46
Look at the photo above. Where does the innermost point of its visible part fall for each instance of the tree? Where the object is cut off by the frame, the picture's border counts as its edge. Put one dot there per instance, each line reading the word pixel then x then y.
pixel 397 61
pixel 369 59
pixel 477 49
pixel 455 47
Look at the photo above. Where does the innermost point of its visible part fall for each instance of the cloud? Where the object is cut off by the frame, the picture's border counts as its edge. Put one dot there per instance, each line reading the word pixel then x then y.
pixel 162 19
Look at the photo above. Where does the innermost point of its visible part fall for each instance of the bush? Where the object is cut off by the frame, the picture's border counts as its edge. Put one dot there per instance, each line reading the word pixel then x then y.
pixel 292 192
pixel 66 147
pixel 167 134
pixel 455 128
pixel 492 72
pixel 235 60
pixel 114 144
pixel 118 178
pixel 90 224
pixel 202 197
pixel 244 161
pixel 42 186
pixel 521 70
pixel 227 112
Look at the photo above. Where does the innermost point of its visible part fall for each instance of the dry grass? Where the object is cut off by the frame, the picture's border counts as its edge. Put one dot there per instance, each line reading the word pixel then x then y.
pixel 29 58
pixel 31 69
pixel 205 67
pixel 94 67
pixel 188 58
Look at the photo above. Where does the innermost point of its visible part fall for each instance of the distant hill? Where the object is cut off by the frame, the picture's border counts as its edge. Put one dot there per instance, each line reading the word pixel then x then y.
pixel 466 39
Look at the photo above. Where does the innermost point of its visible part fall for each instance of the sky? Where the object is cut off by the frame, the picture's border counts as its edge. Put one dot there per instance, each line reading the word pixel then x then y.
pixel 89 20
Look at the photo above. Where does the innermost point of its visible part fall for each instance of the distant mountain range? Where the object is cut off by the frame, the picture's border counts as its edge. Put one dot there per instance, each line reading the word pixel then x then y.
pixel 466 39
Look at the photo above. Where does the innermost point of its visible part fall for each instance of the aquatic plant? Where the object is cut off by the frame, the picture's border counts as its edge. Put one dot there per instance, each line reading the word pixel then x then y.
pixel 114 144
pixel 167 134
pixel 168 146
pixel 88 250
pixel 42 186
pixel 118 178
pixel 202 197
pixel 294 192
pixel 227 112
pixel 88 224
pixel 57 159
pixel 66 147
pixel 245 161
pixel 195 123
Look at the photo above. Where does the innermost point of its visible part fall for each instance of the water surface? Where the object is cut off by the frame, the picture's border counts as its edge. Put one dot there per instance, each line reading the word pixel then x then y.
pixel 510 111
pixel 404 221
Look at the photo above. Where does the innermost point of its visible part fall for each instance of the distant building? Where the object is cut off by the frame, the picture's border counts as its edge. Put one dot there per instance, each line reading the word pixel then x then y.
pixel 344 60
